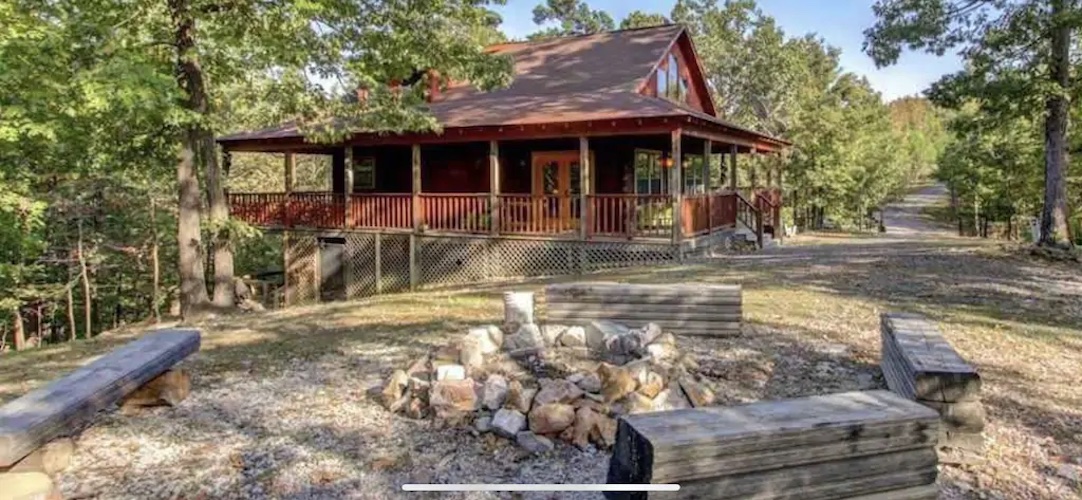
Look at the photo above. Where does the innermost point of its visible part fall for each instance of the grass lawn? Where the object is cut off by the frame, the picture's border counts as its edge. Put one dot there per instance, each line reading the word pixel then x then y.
pixel 278 405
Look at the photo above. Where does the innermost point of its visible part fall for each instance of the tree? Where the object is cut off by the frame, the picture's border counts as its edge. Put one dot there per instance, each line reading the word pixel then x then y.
pixel 573 17
pixel 1018 55
pixel 640 19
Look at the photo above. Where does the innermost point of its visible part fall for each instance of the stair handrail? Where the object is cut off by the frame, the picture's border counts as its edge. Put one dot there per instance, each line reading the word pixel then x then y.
pixel 757 223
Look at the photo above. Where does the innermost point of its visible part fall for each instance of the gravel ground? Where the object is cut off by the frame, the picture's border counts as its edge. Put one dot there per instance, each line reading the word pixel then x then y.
pixel 306 430
pixel 278 407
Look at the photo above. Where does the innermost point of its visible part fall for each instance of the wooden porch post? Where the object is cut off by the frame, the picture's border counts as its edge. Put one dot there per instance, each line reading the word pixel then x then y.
pixel 676 192
pixel 415 198
pixel 753 172
pixel 585 174
pixel 494 187
pixel 290 167
pixel 706 185
pixel 732 167
pixel 347 190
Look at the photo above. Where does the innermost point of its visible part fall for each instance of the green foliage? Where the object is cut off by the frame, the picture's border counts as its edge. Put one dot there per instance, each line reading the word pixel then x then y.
pixel 572 17
pixel 640 19
pixel 1018 68
pixel 852 151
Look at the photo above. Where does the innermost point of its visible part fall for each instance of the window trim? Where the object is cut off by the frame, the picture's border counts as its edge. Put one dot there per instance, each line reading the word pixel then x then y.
pixel 656 165
pixel 357 162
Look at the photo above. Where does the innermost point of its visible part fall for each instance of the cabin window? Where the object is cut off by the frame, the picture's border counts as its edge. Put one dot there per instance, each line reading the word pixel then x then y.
pixel 674 79
pixel 662 82
pixel 364 173
pixel 650 177
pixel 694 182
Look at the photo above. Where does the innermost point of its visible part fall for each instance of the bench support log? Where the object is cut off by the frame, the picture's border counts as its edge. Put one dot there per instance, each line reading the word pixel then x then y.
pixel 168 389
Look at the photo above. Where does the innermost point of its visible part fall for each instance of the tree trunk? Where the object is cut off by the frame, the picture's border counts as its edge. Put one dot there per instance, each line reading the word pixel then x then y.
pixel 193 285
pixel 1054 231
pixel 976 217
pixel 85 277
pixel 155 265
pixel 20 335
pixel 219 217
pixel 71 308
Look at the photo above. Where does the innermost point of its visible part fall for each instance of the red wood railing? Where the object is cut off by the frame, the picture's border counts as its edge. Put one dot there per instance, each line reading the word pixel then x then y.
pixel 768 201
pixel 722 210
pixel 263 209
pixel 630 215
pixel 380 211
pixel 695 214
pixel 750 216
pixel 316 210
pixel 456 213
pixel 530 214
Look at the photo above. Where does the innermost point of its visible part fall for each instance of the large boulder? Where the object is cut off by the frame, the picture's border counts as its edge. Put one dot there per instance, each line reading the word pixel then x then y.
pixel 600 331
pixel 471 354
pixel 533 443
pixel 616 382
pixel 528 336
pixel 452 398
pixel 394 388
pixel 557 391
pixel 450 372
pixel 519 397
pixel 670 399
pixel 590 383
pixel 651 384
pixel 551 418
pixel 507 422
pixel 575 336
pixel 552 333
pixel 484 338
pixel 586 423
pixel 699 394
pixel 495 392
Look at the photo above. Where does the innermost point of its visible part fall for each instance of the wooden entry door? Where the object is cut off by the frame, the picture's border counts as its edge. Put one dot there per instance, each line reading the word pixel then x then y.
pixel 557 184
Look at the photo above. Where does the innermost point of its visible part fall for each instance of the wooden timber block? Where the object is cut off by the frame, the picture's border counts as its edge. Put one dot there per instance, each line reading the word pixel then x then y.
pixel 50 459
pixel 710 310
pixel 72 401
pixel 167 389
pixel 918 351
pixel 27 486
pixel 839 445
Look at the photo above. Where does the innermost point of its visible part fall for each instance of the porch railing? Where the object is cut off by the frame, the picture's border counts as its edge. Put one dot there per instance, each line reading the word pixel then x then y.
pixel 380 211
pixel 630 215
pixel 609 215
pixel 455 213
pixel 532 214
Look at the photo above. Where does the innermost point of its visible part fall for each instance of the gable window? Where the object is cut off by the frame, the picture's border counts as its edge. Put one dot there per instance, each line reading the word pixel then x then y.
pixel 364 173
pixel 650 177
pixel 662 82
pixel 673 92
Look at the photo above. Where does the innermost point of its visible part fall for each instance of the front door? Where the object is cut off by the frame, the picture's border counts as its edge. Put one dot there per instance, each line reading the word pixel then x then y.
pixel 556 188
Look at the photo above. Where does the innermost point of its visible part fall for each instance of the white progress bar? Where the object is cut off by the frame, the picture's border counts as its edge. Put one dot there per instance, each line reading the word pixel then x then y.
pixel 540 487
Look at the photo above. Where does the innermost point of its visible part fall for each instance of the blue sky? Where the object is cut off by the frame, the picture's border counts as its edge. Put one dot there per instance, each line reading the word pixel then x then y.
pixel 840 22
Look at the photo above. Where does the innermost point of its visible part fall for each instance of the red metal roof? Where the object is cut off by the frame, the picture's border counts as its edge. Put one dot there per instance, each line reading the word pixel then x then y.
pixel 574 79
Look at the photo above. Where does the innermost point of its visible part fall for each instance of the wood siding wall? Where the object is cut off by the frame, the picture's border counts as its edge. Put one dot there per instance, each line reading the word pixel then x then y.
pixel 463 168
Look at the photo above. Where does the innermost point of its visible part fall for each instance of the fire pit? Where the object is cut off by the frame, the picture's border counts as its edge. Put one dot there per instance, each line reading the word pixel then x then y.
pixel 538 383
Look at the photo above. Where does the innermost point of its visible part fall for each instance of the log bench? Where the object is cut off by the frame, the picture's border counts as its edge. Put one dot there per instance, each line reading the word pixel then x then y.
pixel 864 445
pixel 709 310
pixel 137 373
pixel 919 364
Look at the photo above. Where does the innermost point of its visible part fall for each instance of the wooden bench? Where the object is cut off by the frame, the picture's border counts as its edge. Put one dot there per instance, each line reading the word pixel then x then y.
pixel 871 444
pixel 919 363
pixel 711 310
pixel 139 369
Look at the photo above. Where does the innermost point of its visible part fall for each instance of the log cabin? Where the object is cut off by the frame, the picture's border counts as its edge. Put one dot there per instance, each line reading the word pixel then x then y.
pixel 597 155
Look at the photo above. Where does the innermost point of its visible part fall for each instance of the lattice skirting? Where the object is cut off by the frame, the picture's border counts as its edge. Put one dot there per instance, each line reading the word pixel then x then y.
pixel 381 263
